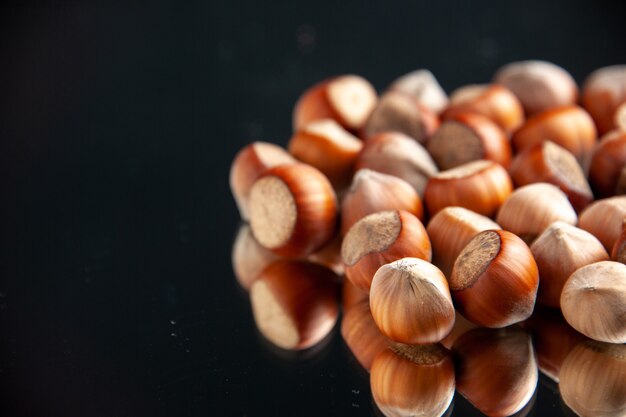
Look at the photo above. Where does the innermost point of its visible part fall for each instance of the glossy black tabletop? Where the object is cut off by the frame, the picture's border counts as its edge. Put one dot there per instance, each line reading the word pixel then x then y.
pixel 118 123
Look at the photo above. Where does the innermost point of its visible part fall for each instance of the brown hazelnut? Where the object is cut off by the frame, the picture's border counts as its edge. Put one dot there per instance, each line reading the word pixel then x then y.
pixel 372 192
pixel 348 99
pixel 399 155
pixel 539 85
pixel 494 279
pixel 325 145
pixel 467 137
pixel 381 238
pixel 293 210
pixel 480 186
pixel 400 112
pixel 411 303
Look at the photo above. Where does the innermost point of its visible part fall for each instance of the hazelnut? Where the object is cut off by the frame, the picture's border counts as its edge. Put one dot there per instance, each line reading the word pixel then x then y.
pixel 539 85
pixel 494 279
pixel 480 186
pixel 559 251
pixel 348 99
pixel 531 209
pixel 400 112
pixel 381 238
pixel 352 295
pixel 618 253
pixel 325 145
pixel 494 101
pixel 551 163
pixel 411 303
pixel 397 154
pixel 607 172
pixel 570 127
pixel 293 210
pixel 467 137
pixel 593 301
pixel 424 86
pixel 604 95
pixel 450 230
pixel 247 167
pixel 604 219
pixel 373 191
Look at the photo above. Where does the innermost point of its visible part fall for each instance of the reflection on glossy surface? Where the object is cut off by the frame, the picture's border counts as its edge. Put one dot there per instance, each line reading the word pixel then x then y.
pixel 360 333
pixel 593 379
pixel 553 339
pixel 413 380
pixel 294 303
pixel 249 258
pixel 496 369
pixel 461 326
pixel 330 255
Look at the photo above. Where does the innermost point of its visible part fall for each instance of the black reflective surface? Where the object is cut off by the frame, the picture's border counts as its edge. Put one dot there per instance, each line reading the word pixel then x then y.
pixel 118 123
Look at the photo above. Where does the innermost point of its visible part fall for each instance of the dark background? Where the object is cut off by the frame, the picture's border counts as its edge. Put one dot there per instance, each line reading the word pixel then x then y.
pixel 118 123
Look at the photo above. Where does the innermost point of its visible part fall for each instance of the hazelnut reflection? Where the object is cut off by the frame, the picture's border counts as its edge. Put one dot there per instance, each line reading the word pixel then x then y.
pixel 593 379
pixel 248 257
pixel 413 380
pixel 553 339
pixel 294 303
pixel 496 369
pixel 361 334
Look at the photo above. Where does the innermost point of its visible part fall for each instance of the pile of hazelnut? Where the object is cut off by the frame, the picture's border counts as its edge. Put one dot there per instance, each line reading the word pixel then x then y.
pixel 469 209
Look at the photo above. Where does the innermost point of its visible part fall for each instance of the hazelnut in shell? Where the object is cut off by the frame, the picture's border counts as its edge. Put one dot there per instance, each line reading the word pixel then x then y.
pixel 372 192
pixel 494 279
pixel 325 145
pixel 539 85
pixel 593 301
pixel 481 186
pixel 247 167
pixel 293 210
pixel 450 230
pixel 401 112
pixel 348 99
pixel 399 155
pixel 531 209
pixel 559 251
pixel 604 218
pixel 381 238
pixel 411 303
